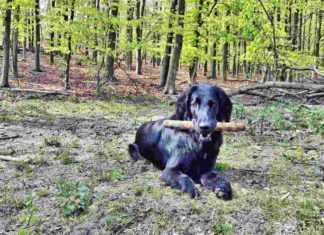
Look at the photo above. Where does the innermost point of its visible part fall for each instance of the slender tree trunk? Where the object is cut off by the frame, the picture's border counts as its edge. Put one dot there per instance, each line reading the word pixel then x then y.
pixel 309 32
pixel 139 14
pixel 25 48
pixel 213 64
pixel 69 55
pixel 112 37
pixel 234 59
pixel 206 62
pixel 37 37
pixel 237 72
pixel 168 48
pixel 300 32
pixel 130 14
pixel 52 38
pixel 31 32
pixel 318 33
pixel 245 66
pixel 193 68
pixel 6 48
pixel 15 46
pixel 170 84
pixel 96 43
pixel 295 30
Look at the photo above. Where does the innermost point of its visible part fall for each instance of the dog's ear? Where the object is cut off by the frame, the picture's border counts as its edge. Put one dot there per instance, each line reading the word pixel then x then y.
pixel 183 105
pixel 225 107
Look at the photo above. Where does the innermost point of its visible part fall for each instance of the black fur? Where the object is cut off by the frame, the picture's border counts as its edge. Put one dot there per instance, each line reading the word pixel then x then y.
pixel 188 157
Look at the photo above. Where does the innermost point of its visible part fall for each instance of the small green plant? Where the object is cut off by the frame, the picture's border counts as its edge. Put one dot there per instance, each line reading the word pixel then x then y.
pixel 221 227
pixel 23 232
pixel 239 111
pixel 307 211
pixel 52 141
pixel 222 166
pixel 42 193
pixel 118 218
pixel 115 175
pixel 74 198
pixel 28 204
pixel 65 158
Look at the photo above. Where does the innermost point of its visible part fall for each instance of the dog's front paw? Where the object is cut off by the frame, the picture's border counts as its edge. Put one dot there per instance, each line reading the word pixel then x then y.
pixel 224 193
pixel 187 186
pixel 219 185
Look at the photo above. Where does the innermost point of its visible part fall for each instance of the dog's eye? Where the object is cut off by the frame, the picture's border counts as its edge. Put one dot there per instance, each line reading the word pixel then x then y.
pixel 212 103
pixel 196 103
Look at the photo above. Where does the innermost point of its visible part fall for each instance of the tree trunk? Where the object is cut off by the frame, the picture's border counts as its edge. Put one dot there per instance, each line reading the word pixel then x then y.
pixel 52 39
pixel 237 72
pixel 69 55
pixel 294 33
pixel 213 64
pixel 37 37
pixel 6 48
pixel 30 32
pixel 318 33
pixel 309 32
pixel 193 68
pixel 139 14
pixel 96 4
pixel 112 36
pixel 206 62
pixel 130 13
pixel 225 59
pixel 245 66
pixel 170 84
pixel 15 46
pixel 167 49
pixel 234 59
pixel 300 32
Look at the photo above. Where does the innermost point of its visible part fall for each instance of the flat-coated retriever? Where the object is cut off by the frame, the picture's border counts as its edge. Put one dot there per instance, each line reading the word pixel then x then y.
pixel 188 156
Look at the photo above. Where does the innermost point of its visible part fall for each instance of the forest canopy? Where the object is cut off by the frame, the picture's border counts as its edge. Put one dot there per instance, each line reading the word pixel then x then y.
pixel 248 37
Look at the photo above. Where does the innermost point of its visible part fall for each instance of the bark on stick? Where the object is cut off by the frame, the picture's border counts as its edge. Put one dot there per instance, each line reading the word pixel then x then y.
pixel 221 126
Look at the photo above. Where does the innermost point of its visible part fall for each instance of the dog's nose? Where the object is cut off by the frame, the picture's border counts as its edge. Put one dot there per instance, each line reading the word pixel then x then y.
pixel 204 127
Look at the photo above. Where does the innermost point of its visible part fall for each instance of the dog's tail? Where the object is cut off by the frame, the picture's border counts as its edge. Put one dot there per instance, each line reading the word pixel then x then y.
pixel 134 152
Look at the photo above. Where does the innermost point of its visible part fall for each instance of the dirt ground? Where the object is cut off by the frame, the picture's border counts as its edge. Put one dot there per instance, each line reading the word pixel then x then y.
pixel 276 173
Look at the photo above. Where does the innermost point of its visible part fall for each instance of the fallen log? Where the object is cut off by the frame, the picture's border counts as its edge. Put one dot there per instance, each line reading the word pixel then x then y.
pixel 268 85
pixel 221 126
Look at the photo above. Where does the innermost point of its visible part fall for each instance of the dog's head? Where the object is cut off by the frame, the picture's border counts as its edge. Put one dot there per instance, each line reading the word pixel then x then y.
pixel 204 104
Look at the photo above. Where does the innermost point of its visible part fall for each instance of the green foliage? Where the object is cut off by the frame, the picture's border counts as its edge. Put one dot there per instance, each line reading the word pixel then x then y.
pixel 118 217
pixel 115 175
pixel 222 166
pixel 65 158
pixel 74 198
pixel 52 141
pixel 28 205
pixel 239 111
pixel 221 227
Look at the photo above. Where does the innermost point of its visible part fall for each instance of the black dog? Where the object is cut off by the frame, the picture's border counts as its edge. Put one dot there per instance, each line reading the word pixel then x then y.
pixel 188 156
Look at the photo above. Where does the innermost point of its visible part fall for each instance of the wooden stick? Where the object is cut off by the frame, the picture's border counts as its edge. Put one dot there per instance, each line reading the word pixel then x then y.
pixel 221 126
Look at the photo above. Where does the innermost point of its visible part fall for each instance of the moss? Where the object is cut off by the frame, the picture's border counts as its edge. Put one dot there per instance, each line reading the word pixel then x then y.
pixel 42 193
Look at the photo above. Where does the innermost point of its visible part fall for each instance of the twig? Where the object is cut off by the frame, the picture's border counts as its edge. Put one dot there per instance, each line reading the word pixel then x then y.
pixel 9 137
pixel 8 159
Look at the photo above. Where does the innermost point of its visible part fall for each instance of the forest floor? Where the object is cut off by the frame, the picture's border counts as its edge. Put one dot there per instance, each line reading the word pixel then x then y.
pixel 71 172
pixel 65 167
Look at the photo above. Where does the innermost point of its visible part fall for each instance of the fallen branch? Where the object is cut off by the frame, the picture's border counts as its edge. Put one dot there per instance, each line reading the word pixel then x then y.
pixel 221 126
pixel 313 69
pixel 43 92
pixel 284 85
pixel 9 137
